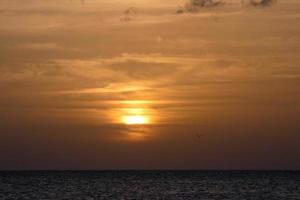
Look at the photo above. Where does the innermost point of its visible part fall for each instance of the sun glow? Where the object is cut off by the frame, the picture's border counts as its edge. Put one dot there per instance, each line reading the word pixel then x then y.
pixel 135 120
pixel 134 112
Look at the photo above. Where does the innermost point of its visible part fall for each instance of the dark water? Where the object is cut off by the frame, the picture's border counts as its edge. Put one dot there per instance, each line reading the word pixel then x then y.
pixel 150 185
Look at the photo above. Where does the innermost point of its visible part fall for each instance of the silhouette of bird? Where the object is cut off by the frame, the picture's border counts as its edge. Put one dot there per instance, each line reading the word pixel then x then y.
pixel 199 136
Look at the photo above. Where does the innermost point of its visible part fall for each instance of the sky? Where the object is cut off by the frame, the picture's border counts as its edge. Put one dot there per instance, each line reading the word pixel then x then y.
pixel 135 84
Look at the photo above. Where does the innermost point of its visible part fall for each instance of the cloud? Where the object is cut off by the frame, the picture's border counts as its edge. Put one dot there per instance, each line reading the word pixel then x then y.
pixel 197 5
pixel 261 3
pixel 188 53
pixel 194 6
pixel 40 46
pixel 129 14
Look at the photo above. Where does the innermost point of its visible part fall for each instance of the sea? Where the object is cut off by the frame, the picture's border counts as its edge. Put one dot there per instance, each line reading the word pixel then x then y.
pixel 122 185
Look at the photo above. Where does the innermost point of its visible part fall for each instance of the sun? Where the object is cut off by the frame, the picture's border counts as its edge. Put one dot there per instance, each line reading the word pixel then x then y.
pixel 135 120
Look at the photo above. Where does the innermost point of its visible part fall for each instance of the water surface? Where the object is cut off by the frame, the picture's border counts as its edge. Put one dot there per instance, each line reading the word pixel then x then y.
pixel 150 185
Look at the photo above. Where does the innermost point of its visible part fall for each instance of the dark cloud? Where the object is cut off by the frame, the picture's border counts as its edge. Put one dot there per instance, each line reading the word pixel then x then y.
pixel 196 5
pixel 260 3
pixel 129 14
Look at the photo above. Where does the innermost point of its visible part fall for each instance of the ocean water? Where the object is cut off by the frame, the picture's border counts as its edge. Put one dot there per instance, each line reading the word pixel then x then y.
pixel 204 185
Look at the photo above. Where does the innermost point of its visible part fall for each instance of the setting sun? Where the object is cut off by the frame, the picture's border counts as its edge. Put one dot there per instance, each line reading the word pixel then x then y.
pixel 135 120
pixel 111 90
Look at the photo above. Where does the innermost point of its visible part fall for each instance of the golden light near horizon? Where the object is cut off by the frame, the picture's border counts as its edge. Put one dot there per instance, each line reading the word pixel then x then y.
pixel 135 113
pixel 135 120
pixel 135 116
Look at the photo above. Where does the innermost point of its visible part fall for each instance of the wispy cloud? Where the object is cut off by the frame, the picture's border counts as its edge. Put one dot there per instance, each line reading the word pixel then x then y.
pixel 40 46
pixel 259 3
pixel 196 5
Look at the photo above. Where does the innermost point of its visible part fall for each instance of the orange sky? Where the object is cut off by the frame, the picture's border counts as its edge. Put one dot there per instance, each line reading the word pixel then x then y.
pixel 89 86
